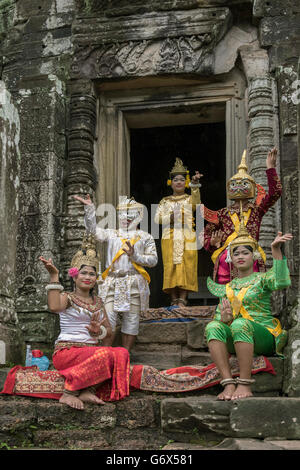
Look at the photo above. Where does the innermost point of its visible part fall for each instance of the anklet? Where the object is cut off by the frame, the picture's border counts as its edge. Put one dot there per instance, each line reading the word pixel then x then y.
pixel 228 381
pixel 245 381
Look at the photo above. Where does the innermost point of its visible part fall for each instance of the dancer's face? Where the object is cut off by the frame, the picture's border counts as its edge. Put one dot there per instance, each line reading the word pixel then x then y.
pixel 86 278
pixel 242 258
pixel 178 184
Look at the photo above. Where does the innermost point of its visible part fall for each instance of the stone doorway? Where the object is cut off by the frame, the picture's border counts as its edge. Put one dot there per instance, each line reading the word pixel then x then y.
pixel 192 119
pixel 152 153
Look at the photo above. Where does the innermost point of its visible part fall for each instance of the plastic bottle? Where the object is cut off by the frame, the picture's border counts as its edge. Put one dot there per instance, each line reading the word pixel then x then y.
pixel 39 360
pixel 28 360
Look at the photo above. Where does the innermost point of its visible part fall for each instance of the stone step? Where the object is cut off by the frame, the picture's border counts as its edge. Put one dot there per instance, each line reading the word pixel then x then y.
pixel 238 444
pixel 272 418
pixel 152 422
pixel 133 423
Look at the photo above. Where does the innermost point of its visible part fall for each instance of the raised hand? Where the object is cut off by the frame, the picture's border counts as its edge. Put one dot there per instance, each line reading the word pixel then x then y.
pixel 86 201
pixel 271 158
pixel 129 249
pixel 215 239
pixel 48 263
pixel 280 238
pixel 95 324
pixel 226 311
pixel 196 177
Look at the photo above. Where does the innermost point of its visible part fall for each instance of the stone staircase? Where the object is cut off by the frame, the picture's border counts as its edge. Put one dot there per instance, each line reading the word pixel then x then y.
pixel 157 421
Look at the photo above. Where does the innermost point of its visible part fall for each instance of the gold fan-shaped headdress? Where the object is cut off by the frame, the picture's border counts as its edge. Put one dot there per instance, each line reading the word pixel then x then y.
pixel 178 168
pixel 87 255
pixel 243 237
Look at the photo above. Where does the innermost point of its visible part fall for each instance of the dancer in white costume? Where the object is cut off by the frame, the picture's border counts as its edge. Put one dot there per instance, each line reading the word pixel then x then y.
pixel 125 287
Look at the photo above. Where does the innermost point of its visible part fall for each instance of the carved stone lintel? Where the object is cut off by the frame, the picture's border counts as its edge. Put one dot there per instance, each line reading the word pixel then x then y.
pixel 151 44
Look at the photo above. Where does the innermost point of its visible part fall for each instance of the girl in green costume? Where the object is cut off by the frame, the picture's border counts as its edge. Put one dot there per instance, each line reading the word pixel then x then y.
pixel 243 323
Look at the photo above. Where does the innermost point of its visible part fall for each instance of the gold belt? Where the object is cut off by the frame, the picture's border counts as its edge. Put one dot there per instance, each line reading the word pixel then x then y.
pixel 70 344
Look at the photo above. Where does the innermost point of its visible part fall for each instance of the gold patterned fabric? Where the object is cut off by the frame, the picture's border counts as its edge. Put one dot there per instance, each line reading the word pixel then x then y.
pixel 179 244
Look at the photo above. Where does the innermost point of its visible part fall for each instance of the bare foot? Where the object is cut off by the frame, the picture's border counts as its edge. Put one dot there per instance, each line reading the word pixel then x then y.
pixel 242 391
pixel 71 401
pixel 89 397
pixel 227 392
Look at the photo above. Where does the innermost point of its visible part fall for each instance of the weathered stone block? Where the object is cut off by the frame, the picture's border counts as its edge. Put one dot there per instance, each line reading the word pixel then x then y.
pixel 292 362
pixel 159 360
pixel 61 438
pixel 192 357
pixel 202 416
pixel 162 332
pixel 279 29
pixel 272 8
pixel 196 334
pixel 266 417
pixel 250 418
pixel 136 413
pixel 102 417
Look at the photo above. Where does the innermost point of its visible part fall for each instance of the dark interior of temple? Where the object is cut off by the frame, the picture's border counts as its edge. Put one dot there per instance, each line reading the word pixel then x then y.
pixel 201 147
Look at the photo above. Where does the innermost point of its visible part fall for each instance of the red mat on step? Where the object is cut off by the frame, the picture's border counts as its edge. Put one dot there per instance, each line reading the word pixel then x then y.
pixel 29 381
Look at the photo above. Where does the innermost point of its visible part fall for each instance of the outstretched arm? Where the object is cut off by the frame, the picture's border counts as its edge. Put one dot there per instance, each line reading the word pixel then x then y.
pixel 278 277
pixel 90 219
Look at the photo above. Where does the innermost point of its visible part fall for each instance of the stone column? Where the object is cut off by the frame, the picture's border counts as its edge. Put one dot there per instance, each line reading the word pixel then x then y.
pixel 81 177
pixel 41 105
pixel 292 362
pixel 261 138
pixel 11 343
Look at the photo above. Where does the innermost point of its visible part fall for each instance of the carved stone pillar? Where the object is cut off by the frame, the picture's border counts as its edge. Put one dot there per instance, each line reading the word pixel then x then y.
pixel 42 148
pixel 292 362
pixel 11 343
pixel 261 138
pixel 81 178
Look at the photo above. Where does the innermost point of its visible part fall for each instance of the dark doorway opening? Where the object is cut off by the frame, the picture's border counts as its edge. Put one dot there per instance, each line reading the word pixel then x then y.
pixel 152 153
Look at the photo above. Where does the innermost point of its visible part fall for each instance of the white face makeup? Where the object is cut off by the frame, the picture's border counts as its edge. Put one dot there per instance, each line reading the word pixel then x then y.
pixel 129 220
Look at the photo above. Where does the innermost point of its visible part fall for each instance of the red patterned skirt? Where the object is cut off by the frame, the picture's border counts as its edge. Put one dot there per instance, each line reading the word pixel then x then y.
pixel 106 368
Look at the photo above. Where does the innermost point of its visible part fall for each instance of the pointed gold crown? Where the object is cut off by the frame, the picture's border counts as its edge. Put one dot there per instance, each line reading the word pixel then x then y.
pixel 242 174
pixel 87 255
pixel 243 237
pixel 178 168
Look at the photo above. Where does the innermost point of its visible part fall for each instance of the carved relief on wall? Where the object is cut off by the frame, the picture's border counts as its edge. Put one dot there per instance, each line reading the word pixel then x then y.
pixel 150 45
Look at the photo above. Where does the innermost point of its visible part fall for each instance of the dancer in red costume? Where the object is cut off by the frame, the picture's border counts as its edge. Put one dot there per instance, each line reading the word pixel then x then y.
pixel 223 224
pixel 78 356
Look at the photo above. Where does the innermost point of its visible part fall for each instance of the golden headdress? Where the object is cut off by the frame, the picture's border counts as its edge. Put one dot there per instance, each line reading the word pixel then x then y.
pixel 243 238
pixel 241 185
pixel 179 169
pixel 87 256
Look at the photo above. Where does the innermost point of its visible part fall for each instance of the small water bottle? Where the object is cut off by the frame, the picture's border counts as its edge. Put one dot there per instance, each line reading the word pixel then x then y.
pixel 28 360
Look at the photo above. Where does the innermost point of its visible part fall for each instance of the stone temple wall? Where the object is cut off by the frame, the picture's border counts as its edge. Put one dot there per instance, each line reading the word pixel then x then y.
pixel 54 54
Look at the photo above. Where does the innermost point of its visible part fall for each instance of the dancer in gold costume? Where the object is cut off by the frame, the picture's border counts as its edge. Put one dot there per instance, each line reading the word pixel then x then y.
pixel 179 244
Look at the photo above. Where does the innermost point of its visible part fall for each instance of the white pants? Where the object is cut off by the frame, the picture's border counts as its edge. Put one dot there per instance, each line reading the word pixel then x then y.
pixel 131 319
